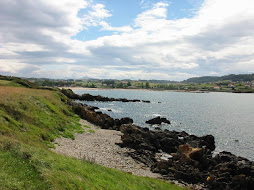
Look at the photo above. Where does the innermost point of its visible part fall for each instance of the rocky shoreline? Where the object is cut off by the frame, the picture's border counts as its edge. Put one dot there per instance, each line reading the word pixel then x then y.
pixel 177 155
pixel 88 97
pixel 100 147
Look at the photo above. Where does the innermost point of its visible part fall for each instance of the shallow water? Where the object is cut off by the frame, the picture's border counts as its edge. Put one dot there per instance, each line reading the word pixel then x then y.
pixel 227 116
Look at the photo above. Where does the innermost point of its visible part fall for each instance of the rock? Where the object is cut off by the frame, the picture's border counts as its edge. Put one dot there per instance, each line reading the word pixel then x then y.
pixel 158 120
pixel 188 153
pixel 88 97
pixel 163 156
pixel 157 128
pixel 161 167
pixel 144 156
pixel 208 141
pixel 70 94
pixel 196 154
pixel 126 120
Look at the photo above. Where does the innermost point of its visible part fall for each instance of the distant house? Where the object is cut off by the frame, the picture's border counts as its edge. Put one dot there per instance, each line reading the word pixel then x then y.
pixel 247 86
pixel 125 82
pixel 231 85
pixel 217 87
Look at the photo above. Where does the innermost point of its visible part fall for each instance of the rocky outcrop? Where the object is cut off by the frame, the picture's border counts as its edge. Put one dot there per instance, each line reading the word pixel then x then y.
pixel 185 157
pixel 103 120
pixel 88 97
pixel 158 120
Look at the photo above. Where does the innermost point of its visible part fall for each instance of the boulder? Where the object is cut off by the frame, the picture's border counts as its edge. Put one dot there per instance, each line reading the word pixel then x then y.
pixel 158 120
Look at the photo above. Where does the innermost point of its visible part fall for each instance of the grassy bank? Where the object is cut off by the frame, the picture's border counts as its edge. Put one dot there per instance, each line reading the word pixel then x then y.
pixel 30 120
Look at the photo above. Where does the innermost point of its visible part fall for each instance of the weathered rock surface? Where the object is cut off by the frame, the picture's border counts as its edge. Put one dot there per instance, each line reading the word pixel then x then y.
pixel 158 120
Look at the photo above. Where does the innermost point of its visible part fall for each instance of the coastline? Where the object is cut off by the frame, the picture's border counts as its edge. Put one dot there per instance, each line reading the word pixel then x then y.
pixel 135 89
pixel 175 155
pixel 151 89
pixel 100 146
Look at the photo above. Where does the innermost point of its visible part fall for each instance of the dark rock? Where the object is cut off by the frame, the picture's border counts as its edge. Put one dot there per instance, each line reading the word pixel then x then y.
pixel 146 101
pixel 158 120
pixel 126 120
pixel 208 141
pixel 88 97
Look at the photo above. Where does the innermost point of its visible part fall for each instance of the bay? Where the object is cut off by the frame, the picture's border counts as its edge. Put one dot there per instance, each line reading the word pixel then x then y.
pixel 228 117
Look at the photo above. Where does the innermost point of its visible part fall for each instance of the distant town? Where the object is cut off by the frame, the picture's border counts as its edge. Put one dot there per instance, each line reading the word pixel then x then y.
pixel 229 83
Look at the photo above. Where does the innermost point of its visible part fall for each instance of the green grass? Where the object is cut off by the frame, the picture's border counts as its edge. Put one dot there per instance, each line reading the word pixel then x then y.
pixel 87 126
pixel 91 131
pixel 35 116
pixel 9 83
pixel 30 120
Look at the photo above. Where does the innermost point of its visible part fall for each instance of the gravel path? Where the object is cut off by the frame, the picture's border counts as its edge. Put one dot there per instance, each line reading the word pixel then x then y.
pixel 99 146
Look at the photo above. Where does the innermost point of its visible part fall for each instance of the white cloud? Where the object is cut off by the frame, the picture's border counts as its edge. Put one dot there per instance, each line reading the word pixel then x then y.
pixel 97 16
pixel 99 11
pixel 106 26
pixel 13 66
pixel 217 40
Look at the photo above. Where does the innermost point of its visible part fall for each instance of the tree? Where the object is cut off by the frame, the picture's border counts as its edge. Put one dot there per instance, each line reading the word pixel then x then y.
pixel 147 85
pixel 119 85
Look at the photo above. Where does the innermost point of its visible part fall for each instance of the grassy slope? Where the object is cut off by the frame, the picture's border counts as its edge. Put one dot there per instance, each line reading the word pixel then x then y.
pixel 30 119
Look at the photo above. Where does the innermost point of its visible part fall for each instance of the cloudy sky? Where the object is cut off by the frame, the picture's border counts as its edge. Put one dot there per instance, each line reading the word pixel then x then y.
pixel 136 39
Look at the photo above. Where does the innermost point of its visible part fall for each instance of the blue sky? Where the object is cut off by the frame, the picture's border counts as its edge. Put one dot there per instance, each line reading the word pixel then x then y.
pixel 124 13
pixel 136 39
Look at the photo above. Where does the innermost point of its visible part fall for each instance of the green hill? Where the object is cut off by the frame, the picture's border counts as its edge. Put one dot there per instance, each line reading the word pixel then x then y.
pixel 30 119
pixel 232 77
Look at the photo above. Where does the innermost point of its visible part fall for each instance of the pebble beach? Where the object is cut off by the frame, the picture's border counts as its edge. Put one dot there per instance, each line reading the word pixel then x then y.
pixel 99 146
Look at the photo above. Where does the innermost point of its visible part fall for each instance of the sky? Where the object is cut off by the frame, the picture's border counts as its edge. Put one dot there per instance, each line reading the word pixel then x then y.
pixel 126 39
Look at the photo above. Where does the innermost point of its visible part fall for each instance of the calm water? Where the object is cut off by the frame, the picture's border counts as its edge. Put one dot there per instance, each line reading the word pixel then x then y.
pixel 227 116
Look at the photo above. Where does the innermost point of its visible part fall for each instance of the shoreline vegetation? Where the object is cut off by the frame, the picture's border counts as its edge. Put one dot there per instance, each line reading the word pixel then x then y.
pixel 34 118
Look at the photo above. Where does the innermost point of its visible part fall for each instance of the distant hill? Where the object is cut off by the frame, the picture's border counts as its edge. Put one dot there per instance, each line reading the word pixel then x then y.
pixel 232 77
